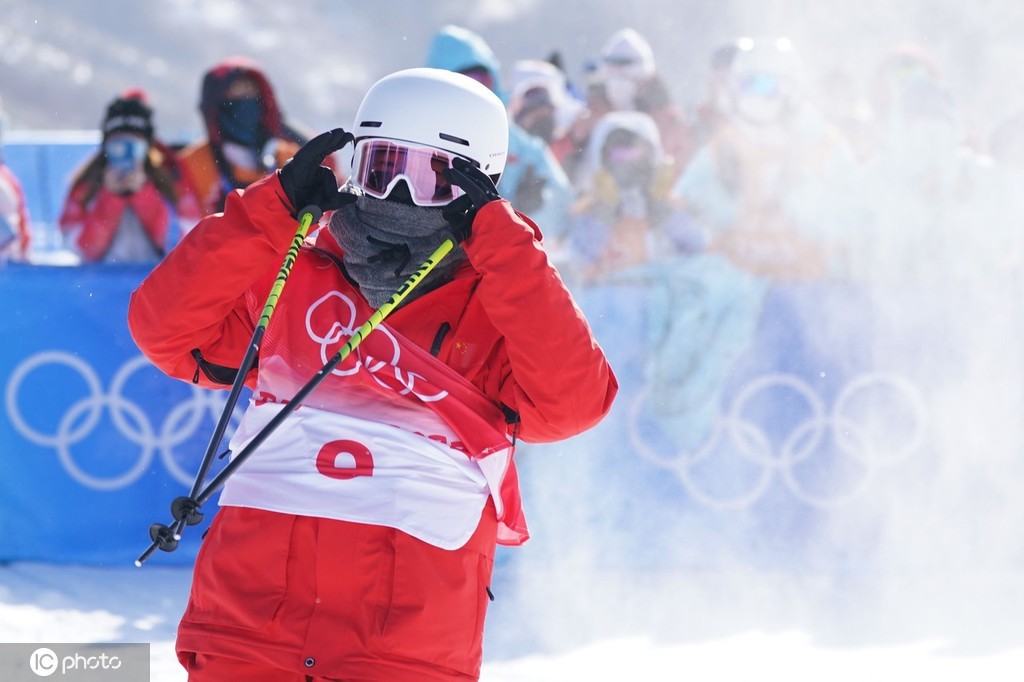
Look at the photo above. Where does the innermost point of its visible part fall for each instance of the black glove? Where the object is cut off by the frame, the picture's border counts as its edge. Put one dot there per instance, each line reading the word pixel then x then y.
pixel 479 190
pixel 307 181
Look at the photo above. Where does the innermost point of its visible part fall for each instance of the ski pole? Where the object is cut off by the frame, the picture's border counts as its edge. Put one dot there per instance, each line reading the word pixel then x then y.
pixel 307 217
pixel 187 507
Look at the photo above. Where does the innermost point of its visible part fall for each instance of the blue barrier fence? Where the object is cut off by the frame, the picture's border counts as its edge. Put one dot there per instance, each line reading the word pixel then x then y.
pixel 44 162
pixel 95 441
pixel 752 415
pixel 748 414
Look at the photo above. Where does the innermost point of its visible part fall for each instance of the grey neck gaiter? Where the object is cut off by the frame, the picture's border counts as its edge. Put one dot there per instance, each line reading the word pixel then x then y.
pixel 384 242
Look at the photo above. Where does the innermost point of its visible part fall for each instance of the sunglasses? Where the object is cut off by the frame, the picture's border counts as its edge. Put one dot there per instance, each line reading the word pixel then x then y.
pixel 480 75
pixel 380 164
pixel 623 155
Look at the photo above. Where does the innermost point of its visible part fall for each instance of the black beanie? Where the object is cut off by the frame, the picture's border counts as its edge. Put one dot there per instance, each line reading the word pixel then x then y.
pixel 128 115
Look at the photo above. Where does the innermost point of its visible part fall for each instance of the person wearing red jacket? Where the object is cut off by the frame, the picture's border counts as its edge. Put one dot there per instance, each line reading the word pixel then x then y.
pixel 15 228
pixel 128 203
pixel 15 232
pixel 358 541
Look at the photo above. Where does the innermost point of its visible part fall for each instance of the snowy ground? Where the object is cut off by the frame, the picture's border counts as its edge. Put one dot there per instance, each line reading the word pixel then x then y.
pixel 970 635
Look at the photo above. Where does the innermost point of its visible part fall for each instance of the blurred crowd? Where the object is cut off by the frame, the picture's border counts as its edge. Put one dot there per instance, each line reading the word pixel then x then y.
pixel 769 171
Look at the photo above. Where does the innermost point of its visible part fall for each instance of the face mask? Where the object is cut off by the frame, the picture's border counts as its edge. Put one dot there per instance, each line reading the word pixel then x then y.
pixel 621 93
pixel 240 156
pixel 239 121
pixel 385 241
pixel 543 126
pixel 631 166
pixel 636 174
pixel 760 110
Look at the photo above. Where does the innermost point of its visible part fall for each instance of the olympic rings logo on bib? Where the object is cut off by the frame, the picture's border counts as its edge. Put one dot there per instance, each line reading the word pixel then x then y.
pixel 330 341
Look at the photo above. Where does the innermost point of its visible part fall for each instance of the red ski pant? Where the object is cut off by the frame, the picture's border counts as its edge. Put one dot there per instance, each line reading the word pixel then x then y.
pixel 282 597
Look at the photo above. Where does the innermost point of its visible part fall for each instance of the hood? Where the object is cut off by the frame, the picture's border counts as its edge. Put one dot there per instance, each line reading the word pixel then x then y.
pixel 528 74
pixel 455 48
pixel 638 123
pixel 631 52
pixel 215 84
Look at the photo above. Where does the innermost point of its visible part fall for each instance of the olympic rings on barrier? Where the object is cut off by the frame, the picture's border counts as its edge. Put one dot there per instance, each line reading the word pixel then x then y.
pixel 850 422
pixel 129 418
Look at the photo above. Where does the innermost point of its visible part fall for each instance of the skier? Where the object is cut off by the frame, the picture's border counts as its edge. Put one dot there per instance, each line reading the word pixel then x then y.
pixel 127 203
pixel 358 541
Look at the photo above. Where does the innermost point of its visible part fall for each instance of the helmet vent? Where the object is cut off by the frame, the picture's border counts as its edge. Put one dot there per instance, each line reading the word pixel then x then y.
pixel 370 124
pixel 451 138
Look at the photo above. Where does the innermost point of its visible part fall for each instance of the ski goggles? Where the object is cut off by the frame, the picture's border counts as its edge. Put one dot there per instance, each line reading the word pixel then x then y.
pixel 481 75
pixel 762 84
pixel 621 155
pixel 380 164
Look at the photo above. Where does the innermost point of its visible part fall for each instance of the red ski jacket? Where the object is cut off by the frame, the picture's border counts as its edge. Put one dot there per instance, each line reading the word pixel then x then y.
pixel 261 593
pixel 514 330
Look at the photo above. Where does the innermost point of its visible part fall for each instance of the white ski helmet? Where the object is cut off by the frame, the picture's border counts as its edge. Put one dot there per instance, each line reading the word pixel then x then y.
pixel 437 108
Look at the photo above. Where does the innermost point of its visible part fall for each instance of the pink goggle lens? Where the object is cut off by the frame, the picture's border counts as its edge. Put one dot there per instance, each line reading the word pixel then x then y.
pixel 380 164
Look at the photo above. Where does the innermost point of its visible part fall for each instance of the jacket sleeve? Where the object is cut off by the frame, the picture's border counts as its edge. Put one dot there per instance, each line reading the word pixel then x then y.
pixel 89 228
pixel 202 296
pixel 558 379
pixel 154 213
pixel 24 224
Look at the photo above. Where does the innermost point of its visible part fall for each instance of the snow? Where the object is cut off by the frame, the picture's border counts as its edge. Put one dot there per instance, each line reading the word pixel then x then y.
pixel 937 594
pixel 754 655
pixel 722 636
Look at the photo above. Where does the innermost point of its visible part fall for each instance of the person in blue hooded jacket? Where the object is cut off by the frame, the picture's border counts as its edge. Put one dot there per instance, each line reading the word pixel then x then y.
pixel 533 177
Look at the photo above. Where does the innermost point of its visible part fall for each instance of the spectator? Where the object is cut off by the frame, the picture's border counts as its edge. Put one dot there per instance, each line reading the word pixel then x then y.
pixel 625 78
pixel 713 110
pixel 533 180
pixel 246 134
pixel 906 63
pixel 925 194
pixel 627 217
pixel 126 204
pixel 1006 149
pixel 543 105
pixel 15 230
pixel 765 183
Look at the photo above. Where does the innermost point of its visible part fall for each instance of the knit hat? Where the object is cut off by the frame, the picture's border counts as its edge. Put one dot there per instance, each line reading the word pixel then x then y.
pixel 129 113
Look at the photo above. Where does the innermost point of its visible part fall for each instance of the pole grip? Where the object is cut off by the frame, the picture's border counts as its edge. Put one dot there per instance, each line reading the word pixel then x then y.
pixel 307 217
